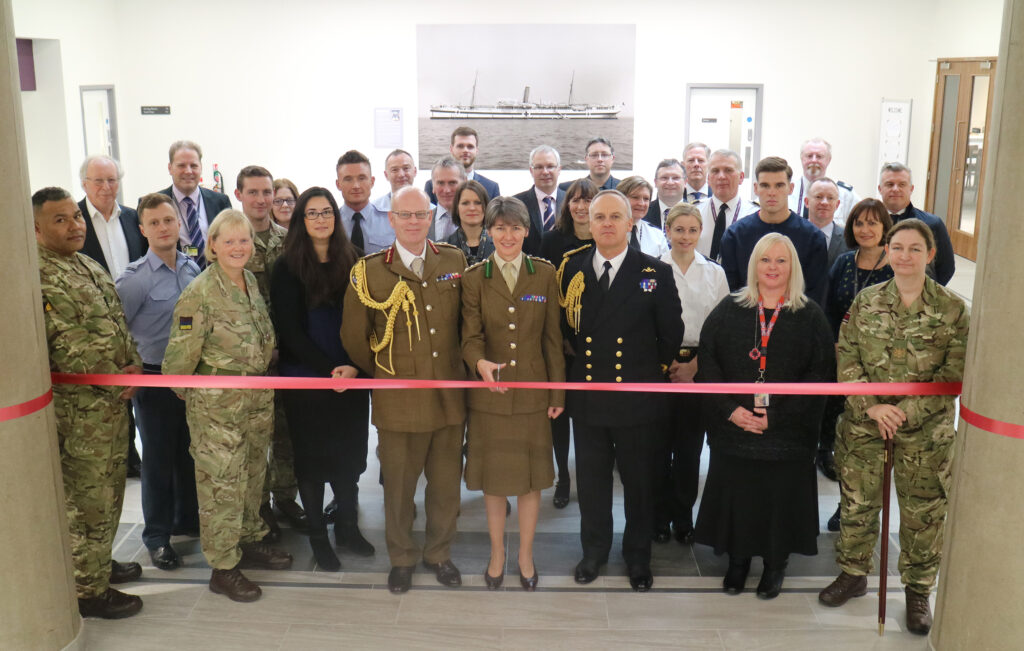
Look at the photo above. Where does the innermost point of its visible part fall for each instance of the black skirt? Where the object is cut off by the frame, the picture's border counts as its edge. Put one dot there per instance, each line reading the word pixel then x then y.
pixel 756 507
pixel 329 432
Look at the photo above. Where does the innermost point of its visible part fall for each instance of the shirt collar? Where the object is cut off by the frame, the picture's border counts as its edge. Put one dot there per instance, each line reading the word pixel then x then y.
pixel 516 264
pixel 95 213
pixel 599 259
pixel 408 256
pixel 179 196
pixel 541 194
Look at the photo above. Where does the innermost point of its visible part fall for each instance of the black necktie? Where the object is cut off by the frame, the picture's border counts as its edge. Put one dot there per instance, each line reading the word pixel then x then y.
pixel 357 231
pixel 716 237
pixel 634 239
pixel 606 278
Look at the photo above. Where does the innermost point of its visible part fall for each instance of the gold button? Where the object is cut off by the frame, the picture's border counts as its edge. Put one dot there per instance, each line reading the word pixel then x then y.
pixel 588 378
pixel 589 340
pixel 618 367
pixel 618 379
pixel 588 353
pixel 511 308
pixel 424 283
pixel 589 365
pixel 433 331
pixel 511 326
pixel 619 340
pixel 429 308
pixel 434 353
pixel 618 353
pixel 512 345
pixel 512 363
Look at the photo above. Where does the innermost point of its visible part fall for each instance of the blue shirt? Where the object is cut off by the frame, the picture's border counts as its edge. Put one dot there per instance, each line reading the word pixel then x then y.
pixel 739 240
pixel 377 231
pixel 149 289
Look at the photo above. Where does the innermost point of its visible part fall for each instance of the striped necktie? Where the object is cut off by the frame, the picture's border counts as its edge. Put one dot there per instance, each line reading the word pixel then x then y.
pixel 549 214
pixel 195 234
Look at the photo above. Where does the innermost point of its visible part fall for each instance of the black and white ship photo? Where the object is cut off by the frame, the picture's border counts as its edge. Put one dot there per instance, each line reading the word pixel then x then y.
pixel 520 86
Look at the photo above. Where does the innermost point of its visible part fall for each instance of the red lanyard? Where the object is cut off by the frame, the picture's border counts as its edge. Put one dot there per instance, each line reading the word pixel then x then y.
pixel 761 352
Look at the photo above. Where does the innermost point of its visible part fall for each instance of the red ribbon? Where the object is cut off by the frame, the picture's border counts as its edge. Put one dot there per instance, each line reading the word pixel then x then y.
pixel 991 425
pixel 26 408
pixel 272 382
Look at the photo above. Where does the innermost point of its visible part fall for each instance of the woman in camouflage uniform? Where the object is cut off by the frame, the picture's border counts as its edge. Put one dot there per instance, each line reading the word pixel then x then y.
pixel 221 327
pixel 909 329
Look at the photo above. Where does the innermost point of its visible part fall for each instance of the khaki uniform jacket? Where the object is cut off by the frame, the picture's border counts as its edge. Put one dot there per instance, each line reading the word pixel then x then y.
pixel 520 329
pixel 264 255
pixel 431 353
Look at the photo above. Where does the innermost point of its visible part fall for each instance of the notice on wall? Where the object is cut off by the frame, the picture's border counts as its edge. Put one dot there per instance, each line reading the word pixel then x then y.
pixel 894 131
pixel 156 110
pixel 387 128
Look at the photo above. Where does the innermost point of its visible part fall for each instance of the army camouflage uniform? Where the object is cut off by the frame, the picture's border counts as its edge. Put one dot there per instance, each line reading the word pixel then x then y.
pixel 86 333
pixel 280 479
pixel 218 330
pixel 887 342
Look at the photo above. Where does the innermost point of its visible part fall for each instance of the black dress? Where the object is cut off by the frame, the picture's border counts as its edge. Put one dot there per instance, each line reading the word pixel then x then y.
pixel 329 429
pixel 845 280
pixel 761 497
pixel 555 243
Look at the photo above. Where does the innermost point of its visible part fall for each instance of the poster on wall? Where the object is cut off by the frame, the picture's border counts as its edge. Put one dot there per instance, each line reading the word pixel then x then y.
pixel 520 86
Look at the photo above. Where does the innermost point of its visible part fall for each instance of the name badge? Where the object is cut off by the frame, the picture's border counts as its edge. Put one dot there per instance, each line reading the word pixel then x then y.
pixel 761 400
pixel 192 251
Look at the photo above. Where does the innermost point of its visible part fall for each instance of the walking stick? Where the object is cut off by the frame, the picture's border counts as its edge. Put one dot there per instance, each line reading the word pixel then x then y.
pixel 884 571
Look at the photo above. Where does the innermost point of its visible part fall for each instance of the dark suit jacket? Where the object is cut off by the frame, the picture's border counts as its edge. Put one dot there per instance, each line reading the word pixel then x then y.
pixel 137 245
pixel 489 185
pixel 214 201
pixel 610 184
pixel 531 246
pixel 630 334
pixel 836 245
pixel 654 216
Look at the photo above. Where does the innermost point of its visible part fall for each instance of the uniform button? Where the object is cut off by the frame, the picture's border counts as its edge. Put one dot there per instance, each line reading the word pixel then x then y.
pixel 618 379
pixel 588 353
pixel 433 331
pixel 589 340
pixel 589 365
pixel 512 345
pixel 512 363
pixel 511 326
pixel 424 283
pixel 588 378
pixel 618 353
pixel 429 308
pixel 434 353
pixel 618 367
pixel 619 340
pixel 511 308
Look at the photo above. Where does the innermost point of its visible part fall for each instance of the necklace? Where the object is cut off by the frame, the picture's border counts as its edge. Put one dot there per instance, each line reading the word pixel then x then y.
pixel 856 276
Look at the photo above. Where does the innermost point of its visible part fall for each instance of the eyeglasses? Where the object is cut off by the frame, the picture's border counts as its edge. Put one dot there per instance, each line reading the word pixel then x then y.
pixel 405 214
pixel 284 202
pixel 102 181
pixel 600 154
pixel 544 168
pixel 325 214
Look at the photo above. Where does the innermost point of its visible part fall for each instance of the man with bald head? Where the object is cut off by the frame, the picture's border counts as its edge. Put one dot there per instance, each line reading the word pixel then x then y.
pixel 815 157
pixel 414 285
pixel 623 322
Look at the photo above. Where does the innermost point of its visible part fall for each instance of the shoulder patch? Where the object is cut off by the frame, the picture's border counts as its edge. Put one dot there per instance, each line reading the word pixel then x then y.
pixel 575 251
pixel 844 184
pixel 184 323
pixel 445 245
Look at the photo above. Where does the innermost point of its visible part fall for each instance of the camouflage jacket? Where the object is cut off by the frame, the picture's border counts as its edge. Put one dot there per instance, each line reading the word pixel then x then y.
pixel 85 326
pixel 264 255
pixel 884 341
pixel 216 328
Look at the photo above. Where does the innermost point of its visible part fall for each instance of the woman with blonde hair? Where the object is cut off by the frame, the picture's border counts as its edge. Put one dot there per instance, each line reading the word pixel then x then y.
pixel 760 498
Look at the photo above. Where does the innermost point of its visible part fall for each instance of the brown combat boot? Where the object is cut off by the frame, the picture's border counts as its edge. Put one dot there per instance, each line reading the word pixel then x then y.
pixel 845 587
pixel 112 604
pixel 233 585
pixel 260 556
pixel 919 612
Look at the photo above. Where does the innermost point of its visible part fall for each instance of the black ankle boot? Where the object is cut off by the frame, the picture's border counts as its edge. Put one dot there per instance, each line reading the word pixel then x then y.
pixel 736 575
pixel 324 554
pixel 348 537
pixel 771 580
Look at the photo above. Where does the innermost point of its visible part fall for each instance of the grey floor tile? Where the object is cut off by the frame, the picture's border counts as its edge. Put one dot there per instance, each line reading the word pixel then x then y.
pixel 599 640
pixel 142 634
pixel 301 637
pixel 714 610
pixel 508 609
pixel 303 605
pixel 818 639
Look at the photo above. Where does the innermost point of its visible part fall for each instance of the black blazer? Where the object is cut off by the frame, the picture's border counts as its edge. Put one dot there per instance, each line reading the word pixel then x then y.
pixel 531 246
pixel 489 185
pixel 630 334
pixel 137 245
pixel 654 216
pixel 214 201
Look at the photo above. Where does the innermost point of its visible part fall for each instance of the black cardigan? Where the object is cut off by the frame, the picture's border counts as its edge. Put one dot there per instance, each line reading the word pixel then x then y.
pixel 800 350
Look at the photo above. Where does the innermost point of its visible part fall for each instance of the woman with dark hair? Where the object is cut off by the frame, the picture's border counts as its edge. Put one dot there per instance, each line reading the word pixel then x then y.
pixel 285 195
pixel 468 209
pixel 329 428
pixel 571 231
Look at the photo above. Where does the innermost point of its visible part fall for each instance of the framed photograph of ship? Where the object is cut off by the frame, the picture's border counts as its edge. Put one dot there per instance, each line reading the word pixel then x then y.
pixel 521 86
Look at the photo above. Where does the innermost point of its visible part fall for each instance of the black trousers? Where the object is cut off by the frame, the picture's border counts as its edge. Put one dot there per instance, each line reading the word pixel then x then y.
pixel 560 439
pixel 633 451
pixel 678 477
pixel 169 502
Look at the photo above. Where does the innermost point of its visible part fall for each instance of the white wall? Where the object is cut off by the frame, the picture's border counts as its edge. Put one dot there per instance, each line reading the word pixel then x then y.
pixel 45 118
pixel 292 86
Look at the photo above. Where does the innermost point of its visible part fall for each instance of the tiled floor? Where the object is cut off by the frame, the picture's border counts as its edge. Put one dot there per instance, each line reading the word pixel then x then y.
pixel 307 609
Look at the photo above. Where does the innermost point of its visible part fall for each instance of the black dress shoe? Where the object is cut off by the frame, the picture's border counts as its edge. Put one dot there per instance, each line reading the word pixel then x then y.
pixel 112 604
pixel 736 576
pixel 771 581
pixel 400 578
pixel 293 513
pixel 324 554
pixel 587 570
pixel 165 558
pixel 134 471
pixel 640 578
pixel 493 582
pixel 268 517
pixel 124 572
pixel 529 584
pixel 826 464
pixel 561 499
pixel 348 537
pixel 684 536
pixel 662 534
pixel 446 572
pixel 833 522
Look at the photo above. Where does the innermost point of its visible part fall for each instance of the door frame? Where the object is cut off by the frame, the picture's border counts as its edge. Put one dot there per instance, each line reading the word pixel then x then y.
pixel 758 113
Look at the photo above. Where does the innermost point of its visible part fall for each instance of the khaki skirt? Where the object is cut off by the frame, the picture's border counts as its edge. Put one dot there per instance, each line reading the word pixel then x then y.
pixel 509 455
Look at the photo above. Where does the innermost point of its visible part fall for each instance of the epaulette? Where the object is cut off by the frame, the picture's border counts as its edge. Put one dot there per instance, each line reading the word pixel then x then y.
pixel 575 251
pixel 444 244
pixel 535 259
pixel 375 254
pixel 844 184
pixel 474 266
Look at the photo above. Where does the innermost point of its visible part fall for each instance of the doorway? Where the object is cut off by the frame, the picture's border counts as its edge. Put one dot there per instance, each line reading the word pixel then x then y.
pixel 956 165
pixel 99 122
pixel 727 116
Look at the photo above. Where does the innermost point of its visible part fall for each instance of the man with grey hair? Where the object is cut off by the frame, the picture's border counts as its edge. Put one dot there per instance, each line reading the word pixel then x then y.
pixel 196 206
pixel 445 177
pixel 112 236
pixel 815 156
pixel 821 203
pixel 895 184
pixel 725 207
pixel 544 200
pixel 695 163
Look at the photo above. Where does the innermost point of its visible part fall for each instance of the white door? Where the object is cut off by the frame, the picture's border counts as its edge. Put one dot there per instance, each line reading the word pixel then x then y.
pixel 727 117
pixel 96 122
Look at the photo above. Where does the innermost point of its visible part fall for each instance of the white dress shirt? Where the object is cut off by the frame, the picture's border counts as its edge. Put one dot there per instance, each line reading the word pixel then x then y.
pixel 408 256
pixel 111 238
pixel 700 289
pixel 652 240
pixel 735 209
pixel 599 261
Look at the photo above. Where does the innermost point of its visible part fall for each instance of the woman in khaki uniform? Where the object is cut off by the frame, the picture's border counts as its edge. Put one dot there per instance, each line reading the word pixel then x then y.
pixel 510 331
pixel 221 327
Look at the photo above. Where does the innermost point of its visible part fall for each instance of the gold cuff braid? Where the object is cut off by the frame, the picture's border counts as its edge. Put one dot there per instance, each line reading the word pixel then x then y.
pixel 402 298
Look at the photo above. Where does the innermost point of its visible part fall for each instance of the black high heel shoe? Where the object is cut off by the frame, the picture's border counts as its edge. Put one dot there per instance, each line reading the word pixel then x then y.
pixel 493 582
pixel 529 584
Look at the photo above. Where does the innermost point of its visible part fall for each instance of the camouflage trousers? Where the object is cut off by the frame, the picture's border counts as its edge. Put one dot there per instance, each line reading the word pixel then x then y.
pixel 922 464
pixel 92 431
pixel 280 479
pixel 231 431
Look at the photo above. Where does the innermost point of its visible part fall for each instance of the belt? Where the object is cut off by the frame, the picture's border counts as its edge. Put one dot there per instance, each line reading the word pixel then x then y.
pixel 206 369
